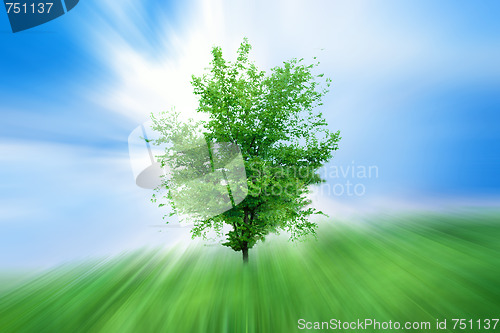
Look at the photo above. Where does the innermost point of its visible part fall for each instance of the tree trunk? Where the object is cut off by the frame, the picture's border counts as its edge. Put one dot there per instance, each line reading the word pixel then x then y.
pixel 244 250
pixel 244 247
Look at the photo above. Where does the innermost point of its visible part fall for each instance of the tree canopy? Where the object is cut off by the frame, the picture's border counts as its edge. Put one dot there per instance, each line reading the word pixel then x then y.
pixel 270 123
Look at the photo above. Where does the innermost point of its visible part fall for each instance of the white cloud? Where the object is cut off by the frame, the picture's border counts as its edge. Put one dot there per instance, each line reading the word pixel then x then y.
pixel 61 202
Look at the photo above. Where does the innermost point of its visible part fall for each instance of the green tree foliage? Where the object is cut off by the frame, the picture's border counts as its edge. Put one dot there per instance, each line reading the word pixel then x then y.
pixel 273 119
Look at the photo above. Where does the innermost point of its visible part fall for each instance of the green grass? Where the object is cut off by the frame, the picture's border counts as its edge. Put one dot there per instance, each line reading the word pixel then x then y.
pixel 401 269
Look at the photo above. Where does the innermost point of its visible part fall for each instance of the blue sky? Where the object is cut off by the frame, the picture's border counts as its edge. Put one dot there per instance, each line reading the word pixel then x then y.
pixel 416 92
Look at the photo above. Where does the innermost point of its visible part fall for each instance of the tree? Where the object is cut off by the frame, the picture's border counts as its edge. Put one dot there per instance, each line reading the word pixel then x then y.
pixel 272 121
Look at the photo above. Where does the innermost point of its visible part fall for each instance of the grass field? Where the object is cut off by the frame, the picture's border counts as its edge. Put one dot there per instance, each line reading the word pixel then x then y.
pixel 406 269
